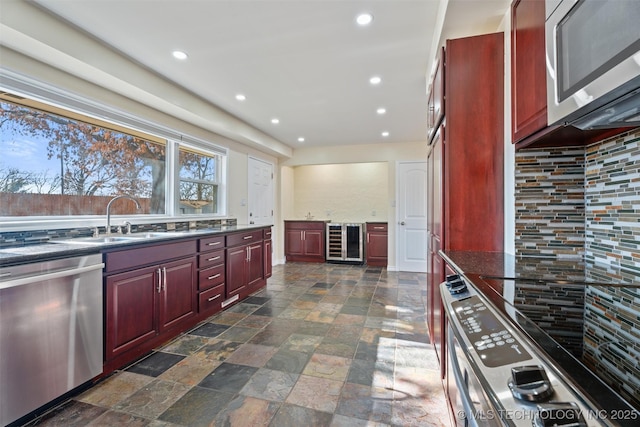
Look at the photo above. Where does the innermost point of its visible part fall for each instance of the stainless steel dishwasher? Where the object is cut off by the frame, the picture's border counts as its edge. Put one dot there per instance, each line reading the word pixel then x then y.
pixel 50 331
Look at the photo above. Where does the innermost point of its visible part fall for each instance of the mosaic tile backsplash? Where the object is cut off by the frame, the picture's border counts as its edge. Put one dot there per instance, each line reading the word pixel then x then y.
pixel 549 202
pixel 584 203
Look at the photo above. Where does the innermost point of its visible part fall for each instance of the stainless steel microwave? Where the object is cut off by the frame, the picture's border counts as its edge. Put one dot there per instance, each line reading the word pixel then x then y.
pixel 593 63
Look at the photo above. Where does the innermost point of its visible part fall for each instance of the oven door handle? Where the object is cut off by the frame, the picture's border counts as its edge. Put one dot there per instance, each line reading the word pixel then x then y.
pixel 463 388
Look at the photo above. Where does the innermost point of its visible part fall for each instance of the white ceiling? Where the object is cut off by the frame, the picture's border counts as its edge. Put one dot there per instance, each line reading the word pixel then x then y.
pixel 304 62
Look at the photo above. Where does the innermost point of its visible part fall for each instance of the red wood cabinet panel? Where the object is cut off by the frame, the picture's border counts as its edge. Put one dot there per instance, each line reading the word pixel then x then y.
pixel 304 241
pixel 236 270
pixel 436 98
pixel 528 73
pixel 473 144
pixel 211 243
pixel 179 296
pixel 135 258
pixel 465 165
pixel 255 264
pixel 144 302
pixel 268 258
pixel 131 310
pixel 211 276
pixel 209 259
pixel 377 243
pixel 210 301
pixel 244 238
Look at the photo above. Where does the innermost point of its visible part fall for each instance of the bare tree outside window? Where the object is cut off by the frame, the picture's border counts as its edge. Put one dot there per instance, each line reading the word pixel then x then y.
pixel 198 173
pixel 54 165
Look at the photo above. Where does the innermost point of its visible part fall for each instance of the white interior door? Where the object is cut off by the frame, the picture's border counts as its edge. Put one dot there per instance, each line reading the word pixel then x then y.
pixel 411 213
pixel 260 192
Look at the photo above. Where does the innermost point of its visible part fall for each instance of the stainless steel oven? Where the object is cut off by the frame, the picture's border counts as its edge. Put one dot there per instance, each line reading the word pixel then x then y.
pixel 471 407
pixel 593 62
pixel 496 376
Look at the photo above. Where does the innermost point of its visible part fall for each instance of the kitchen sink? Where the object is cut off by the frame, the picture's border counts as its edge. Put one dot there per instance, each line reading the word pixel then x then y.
pixel 123 238
pixel 100 240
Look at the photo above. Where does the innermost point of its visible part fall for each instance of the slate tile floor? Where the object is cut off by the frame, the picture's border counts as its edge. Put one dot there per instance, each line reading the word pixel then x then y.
pixel 322 345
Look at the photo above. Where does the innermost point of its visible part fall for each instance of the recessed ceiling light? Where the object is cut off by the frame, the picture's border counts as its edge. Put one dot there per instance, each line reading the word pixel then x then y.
pixel 375 80
pixel 240 97
pixel 178 54
pixel 275 121
pixel 301 139
pixel 364 19
pixel 385 134
pixel 381 110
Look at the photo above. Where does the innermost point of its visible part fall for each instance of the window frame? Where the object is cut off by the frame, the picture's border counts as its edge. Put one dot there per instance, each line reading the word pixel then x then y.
pixel 220 173
pixel 57 102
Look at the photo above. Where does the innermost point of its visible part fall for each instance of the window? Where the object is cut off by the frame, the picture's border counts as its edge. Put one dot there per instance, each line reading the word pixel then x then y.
pixel 57 163
pixel 198 175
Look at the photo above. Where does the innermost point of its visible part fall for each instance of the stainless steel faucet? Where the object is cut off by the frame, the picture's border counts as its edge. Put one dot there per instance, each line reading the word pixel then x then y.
pixel 124 196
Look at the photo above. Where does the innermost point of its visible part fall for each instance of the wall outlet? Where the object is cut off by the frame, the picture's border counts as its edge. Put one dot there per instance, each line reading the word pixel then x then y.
pixel 373 212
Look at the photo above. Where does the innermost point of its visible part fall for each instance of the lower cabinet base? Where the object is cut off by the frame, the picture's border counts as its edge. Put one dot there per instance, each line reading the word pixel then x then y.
pixel 304 258
pixel 124 359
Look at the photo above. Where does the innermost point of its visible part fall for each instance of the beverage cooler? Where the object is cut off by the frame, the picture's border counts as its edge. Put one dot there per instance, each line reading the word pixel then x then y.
pixel 345 243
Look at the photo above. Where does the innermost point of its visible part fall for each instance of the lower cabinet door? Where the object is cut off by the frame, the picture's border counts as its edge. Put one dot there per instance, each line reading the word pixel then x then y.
pixel 268 259
pixel 236 270
pixel 255 264
pixel 131 309
pixel 179 295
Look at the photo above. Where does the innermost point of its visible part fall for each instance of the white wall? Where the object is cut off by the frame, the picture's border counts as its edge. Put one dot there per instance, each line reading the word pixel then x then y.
pixel 349 157
pixel 351 192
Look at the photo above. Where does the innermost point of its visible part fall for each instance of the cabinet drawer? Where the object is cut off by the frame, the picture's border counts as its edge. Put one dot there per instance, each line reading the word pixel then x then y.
pixel 211 258
pixel 377 226
pixel 244 238
pixel 266 234
pixel 134 258
pixel 305 225
pixel 210 277
pixel 211 243
pixel 211 299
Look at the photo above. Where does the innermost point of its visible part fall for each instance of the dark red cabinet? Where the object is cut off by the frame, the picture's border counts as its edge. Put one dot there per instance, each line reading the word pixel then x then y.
pixel 377 243
pixel 157 291
pixel 268 253
pixel 143 303
pixel 245 263
pixel 211 275
pixel 465 165
pixel 528 78
pixel 435 97
pixel 304 241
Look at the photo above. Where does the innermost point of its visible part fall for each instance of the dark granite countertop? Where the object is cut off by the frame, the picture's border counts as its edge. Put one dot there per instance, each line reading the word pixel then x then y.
pixel 62 249
pixel 501 265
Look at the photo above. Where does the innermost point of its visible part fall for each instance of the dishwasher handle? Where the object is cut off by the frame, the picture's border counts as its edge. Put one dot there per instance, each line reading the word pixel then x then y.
pixel 21 281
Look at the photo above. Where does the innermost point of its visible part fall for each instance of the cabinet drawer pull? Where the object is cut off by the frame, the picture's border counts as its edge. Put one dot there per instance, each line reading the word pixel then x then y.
pixel 247 237
pixel 215 276
pixel 214 244
pixel 214 258
pixel 159 287
pixel 378 228
pixel 214 297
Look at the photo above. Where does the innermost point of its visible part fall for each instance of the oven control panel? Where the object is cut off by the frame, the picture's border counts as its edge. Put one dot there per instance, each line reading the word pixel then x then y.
pixel 492 342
